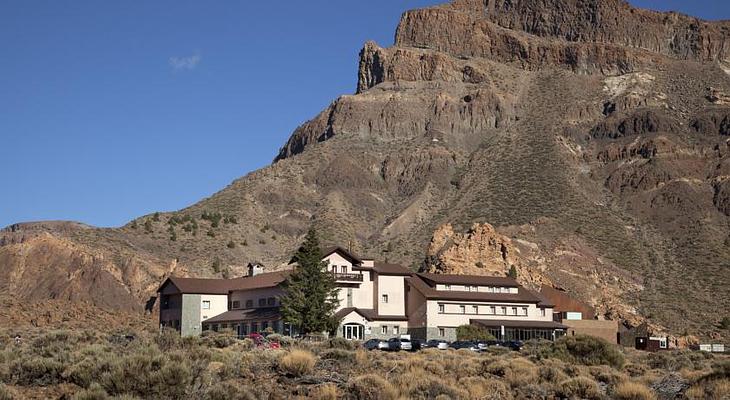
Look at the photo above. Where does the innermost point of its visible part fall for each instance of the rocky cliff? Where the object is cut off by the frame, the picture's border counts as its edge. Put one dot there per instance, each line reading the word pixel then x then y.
pixel 591 137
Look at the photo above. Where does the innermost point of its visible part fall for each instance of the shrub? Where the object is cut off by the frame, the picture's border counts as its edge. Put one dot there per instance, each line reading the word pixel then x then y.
pixel 297 363
pixel 341 343
pixel 37 371
pixel 725 323
pixel 281 339
pixel 632 391
pixel 516 372
pixel 471 332
pixel 486 389
pixel 5 393
pixel 434 387
pixel 709 390
pixel 370 387
pixel 586 350
pixel 229 391
pixel 327 391
pixel 678 360
pixel 338 355
pixel 147 373
pixel 231 245
pixel 94 392
pixel 579 388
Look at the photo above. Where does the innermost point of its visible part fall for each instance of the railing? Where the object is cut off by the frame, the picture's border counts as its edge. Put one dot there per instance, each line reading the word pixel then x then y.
pixel 348 277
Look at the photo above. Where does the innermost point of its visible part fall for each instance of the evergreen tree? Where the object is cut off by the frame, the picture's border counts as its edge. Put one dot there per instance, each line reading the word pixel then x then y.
pixel 310 293
pixel 512 272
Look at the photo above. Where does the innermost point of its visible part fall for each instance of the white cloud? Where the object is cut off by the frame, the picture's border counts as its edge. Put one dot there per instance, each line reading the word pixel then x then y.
pixel 184 63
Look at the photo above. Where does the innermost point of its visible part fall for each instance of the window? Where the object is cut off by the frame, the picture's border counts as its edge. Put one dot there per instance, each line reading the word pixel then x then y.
pixel 236 304
pixel 442 308
pixel 490 289
pixel 384 329
pixel 206 305
pixel 264 325
pixel 271 301
pixel 262 302
pixel 384 298
pixel 514 310
pixel 215 328
pixel 396 329
pixel 503 310
pixel 473 288
pixel 442 332
pixel 249 303
pixel 463 309
pixel 475 309
pixel 343 269
pixel 224 326
pixel 206 327
pixel 492 310
pixel 524 311
pixel 542 312
pixel 447 287
pixel 254 327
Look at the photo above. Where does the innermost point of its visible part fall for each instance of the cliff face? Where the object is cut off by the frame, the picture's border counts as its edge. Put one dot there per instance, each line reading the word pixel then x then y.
pixel 591 137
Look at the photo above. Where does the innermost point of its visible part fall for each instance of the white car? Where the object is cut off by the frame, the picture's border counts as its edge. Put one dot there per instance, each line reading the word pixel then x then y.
pixel 438 344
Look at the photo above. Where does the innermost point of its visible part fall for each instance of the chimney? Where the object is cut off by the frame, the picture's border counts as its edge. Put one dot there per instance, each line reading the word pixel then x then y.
pixel 255 269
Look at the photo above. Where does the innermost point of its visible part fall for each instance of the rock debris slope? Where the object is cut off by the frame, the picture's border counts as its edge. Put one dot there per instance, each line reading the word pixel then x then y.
pixel 590 139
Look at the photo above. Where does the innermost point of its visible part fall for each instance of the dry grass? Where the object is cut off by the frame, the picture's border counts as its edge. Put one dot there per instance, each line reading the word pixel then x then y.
pixel 633 391
pixel 171 368
pixel 297 363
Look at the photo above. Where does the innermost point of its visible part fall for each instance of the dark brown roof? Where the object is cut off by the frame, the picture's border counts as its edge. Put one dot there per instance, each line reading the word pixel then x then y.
pixel 565 303
pixel 254 314
pixel 197 285
pixel 223 286
pixel 267 280
pixel 496 323
pixel 478 280
pixel 523 295
pixel 369 314
pixel 391 269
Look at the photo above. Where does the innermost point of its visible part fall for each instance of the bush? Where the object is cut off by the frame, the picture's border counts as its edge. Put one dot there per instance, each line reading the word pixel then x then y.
pixel 579 388
pixel 585 350
pixel 338 355
pixel 434 388
pixel 471 332
pixel 148 374
pixel 5 393
pixel 229 391
pixel 341 343
pixel 94 392
pixel 516 372
pixel 486 389
pixel 370 387
pixel 285 341
pixel 297 363
pixel 632 391
pixel 327 391
pixel 36 371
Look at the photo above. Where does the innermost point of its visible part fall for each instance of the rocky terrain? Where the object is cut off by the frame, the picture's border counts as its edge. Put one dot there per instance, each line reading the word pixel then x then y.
pixel 592 137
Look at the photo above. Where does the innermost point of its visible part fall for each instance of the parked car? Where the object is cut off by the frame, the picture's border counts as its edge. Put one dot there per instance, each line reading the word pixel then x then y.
pixel 465 344
pixel 376 344
pixel 438 344
pixel 418 344
pixel 515 345
pixel 396 344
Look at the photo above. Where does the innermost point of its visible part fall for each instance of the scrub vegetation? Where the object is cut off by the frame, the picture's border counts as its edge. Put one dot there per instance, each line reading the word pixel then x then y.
pixel 90 365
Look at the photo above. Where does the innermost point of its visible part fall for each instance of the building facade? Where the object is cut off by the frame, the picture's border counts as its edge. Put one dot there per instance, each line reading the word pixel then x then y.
pixel 377 300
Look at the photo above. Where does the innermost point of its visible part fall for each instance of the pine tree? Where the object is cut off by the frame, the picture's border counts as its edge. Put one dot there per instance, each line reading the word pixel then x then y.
pixel 512 272
pixel 310 293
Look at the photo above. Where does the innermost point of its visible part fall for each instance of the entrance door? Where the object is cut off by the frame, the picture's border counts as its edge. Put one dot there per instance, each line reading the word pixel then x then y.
pixel 353 331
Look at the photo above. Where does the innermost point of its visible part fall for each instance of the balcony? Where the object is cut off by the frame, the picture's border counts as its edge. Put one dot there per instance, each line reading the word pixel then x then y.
pixel 347 277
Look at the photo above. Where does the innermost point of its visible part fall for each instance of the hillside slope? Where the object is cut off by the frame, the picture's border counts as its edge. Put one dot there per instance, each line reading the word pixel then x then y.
pixel 594 136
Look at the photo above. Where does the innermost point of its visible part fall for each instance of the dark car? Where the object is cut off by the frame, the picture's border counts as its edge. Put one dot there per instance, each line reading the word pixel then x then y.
pixel 396 344
pixel 465 344
pixel 515 345
pixel 438 344
pixel 376 344
pixel 418 344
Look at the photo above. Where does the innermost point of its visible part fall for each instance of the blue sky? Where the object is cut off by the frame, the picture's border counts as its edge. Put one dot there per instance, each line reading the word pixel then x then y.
pixel 111 110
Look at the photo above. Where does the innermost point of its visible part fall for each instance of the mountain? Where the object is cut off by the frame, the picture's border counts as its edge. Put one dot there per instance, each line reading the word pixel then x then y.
pixel 586 142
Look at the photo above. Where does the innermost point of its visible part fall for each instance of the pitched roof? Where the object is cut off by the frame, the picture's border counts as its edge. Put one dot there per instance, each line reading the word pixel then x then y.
pixel 478 280
pixel 391 269
pixel 369 314
pixel 223 286
pixel 343 252
pixel 522 296
pixel 259 314
pixel 508 323
pixel 197 285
